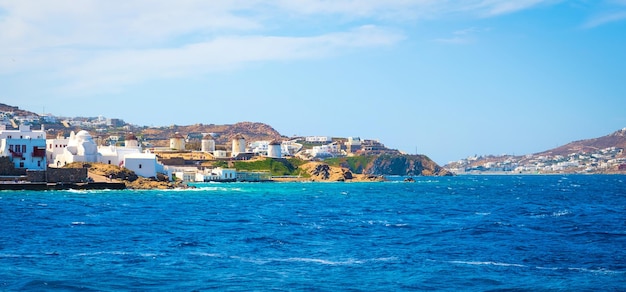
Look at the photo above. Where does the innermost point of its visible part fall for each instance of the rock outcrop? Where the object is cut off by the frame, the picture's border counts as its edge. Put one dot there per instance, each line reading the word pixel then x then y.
pixel 405 165
pixel 106 172
pixel 320 171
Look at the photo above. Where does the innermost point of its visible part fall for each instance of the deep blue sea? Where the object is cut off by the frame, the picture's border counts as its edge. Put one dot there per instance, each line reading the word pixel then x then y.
pixel 556 233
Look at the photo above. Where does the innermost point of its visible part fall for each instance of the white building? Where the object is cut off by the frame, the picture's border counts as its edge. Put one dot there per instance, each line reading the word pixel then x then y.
pixel 143 164
pixel 55 147
pixel 274 149
pixel 239 145
pixel 115 155
pixel 324 150
pixel 353 144
pixel 25 147
pixel 217 174
pixel 259 147
pixel 177 142
pixel 207 144
pixel 318 139
pixel 80 148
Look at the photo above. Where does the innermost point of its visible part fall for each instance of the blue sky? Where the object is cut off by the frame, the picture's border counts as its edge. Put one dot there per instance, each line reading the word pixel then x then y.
pixel 448 79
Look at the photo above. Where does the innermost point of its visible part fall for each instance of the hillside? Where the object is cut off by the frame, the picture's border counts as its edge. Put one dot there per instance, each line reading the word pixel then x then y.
pixel 16 110
pixel 411 165
pixel 616 139
pixel 597 155
pixel 250 130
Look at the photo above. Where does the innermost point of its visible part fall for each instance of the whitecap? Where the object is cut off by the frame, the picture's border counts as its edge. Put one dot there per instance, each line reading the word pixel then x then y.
pixel 78 223
pixel 477 263
pixel 560 213
pixel 322 261
pixel 206 254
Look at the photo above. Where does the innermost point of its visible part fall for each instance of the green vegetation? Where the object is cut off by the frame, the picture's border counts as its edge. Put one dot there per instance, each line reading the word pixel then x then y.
pixel 274 166
pixel 355 164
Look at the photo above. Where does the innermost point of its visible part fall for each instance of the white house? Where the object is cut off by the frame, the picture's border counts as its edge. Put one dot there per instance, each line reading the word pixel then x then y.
pixel 55 147
pixel 220 154
pixel 143 164
pixel 25 147
pixel 324 150
pixel 217 174
pixel 318 139
pixel 260 147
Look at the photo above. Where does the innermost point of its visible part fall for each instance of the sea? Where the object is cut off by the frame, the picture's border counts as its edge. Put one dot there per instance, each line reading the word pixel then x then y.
pixel 462 233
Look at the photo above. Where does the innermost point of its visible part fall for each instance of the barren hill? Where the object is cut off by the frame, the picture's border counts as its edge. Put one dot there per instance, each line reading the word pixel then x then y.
pixel 616 139
pixel 16 110
pixel 250 130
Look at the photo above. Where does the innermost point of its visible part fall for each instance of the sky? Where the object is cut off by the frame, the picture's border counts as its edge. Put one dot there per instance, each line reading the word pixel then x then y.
pixel 448 79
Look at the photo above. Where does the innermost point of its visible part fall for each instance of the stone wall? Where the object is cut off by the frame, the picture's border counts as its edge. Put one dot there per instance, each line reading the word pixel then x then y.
pixel 67 175
pixel 36 175
pixel 7 167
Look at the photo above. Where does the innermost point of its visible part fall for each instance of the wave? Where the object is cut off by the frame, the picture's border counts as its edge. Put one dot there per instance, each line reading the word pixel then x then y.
pixel 325 262
pixel 475 263
pixel 553 214
pixel 502 264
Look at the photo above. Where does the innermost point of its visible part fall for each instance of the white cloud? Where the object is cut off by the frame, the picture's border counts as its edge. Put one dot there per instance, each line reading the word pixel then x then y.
pixel 499 7
pixel 459 37
pixel 93 43
pixel 223 53
pixel 605 19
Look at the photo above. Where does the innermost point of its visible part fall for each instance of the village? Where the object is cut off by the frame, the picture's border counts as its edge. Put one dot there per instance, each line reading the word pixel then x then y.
pixel 29 149
pixel 589 161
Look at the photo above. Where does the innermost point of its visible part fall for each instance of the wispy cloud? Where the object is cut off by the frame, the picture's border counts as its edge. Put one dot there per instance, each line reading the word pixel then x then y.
pixel 95 44
pixel 223 53
pixel 605 19
pixel 499 7
pixel 460 37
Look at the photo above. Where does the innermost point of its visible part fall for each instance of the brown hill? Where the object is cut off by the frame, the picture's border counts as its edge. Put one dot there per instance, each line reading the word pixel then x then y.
pixel 16 110
pixel 616 139
pixel 225 133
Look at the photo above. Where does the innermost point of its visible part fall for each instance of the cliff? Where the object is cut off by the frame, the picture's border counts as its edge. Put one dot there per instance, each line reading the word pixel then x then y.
pixel 397 164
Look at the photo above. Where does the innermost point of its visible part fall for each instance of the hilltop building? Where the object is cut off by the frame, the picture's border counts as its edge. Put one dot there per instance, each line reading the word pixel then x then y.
pixel 353 144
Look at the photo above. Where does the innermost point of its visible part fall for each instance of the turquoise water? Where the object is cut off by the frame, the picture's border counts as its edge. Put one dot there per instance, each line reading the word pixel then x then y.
pixel 454 233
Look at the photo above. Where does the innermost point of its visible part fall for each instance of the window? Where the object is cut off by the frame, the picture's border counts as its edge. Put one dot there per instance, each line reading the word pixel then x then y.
pixel 23 148
pixel 10 147
pixel 109 161
pixel 139 165
pixel 21 164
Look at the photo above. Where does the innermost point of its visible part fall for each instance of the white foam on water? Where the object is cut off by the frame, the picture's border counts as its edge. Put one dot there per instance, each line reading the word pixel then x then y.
pixel 488 263
pixel 206 254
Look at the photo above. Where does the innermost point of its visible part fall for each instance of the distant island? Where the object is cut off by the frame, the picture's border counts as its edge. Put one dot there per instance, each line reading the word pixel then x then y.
pixel 603 155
